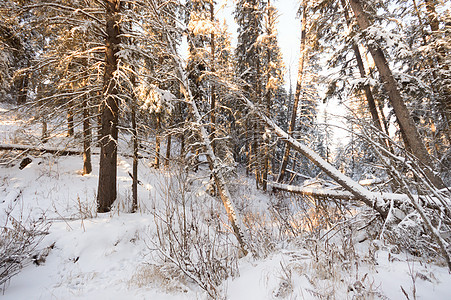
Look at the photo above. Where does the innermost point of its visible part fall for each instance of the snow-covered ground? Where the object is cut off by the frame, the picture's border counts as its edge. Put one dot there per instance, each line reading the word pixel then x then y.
pixel 118 255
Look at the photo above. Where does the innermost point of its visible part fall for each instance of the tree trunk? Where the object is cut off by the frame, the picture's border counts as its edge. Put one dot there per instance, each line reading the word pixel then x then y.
pixel 45 133
pixel 87 166
pixel 168 150
pixel 417 12
pixel 53 150
pixel 135 157
pixel 216 169
pixel 370 199
pixel 99 123
pixel 432 15
pixel 268 102
pixel 109 111
pixel 257 127
pixel 212 89
pixel 367 89
pixel 23 85
pixel 70 122
pixel 214 163
pixel 248 146
pixel 379 122
pixel 297 95
pixel 156 163
pixel 405 120
pixel 182 144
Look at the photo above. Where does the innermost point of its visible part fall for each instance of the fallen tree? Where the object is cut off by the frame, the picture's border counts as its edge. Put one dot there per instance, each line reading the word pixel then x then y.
pixel 325 192
pixel 373 200
pixel 359 192
pixel 43 149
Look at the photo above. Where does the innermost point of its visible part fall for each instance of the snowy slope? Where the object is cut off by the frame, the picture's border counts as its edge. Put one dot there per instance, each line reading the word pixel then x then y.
pixel 108 256
pixel 116 255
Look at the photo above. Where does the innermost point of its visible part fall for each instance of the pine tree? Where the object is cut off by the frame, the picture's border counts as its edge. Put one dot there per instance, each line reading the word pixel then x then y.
pixel 272 81
pixel 16 52
pixel 106 194
pixel 248 16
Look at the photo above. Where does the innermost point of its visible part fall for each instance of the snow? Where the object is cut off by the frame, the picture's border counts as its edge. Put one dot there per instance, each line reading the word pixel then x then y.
pixel 156 100
pixel 112 255
pixel 94 255
pixel 202 26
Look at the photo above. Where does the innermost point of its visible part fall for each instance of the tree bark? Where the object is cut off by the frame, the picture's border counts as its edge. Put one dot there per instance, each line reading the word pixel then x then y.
pixel 366 88
pixel 45 133
pixel 257 127
pixel 417 12
pixel 182 144
pixel 297 95
pixel 70 122
pixel 23 92
pixel 266 140
pixel 87 166
pixel 405 120
pixel 432 15
pixel 156 163
pixel 135 158
pixel 168 150
pixel 379 122
pixel 212 88
pixel 109 111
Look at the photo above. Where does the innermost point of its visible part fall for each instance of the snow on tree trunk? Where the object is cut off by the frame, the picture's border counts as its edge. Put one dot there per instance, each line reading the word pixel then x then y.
pixel 216 167
pixel 369 198
pixel 217 172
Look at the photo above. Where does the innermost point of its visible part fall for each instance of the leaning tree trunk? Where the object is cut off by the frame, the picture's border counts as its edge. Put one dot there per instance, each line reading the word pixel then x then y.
pixel 217 172
pixel 218 176
pixel 109 111
pixel 366 88
pixel 214 163
pixel 367 197
pixel 405 120
pixel 297 95
pixel 432 15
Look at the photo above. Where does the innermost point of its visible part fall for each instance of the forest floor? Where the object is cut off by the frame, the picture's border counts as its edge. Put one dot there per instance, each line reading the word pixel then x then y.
pixel 120 255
